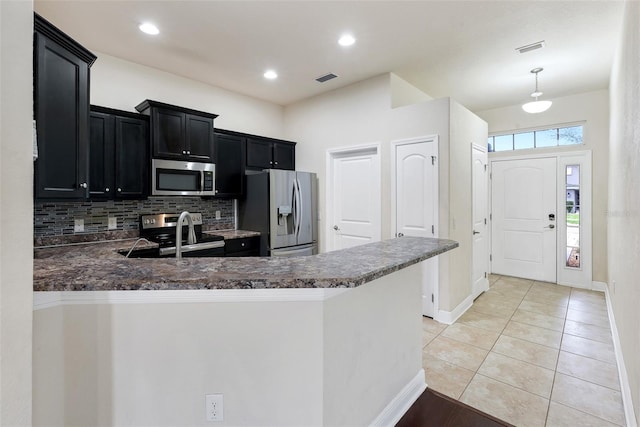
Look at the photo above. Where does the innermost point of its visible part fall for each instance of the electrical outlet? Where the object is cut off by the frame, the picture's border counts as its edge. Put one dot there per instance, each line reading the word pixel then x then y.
pixel 218 215
pixel 78 225
pixel 113 223
pixel 215 411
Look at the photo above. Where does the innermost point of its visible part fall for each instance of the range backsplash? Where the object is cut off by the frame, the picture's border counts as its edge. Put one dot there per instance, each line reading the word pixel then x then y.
pixel 56 219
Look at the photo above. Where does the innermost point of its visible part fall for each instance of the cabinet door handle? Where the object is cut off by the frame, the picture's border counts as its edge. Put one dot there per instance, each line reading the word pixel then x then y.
pixel 106 190
pixel 270 162
pixel 184 152
pixel 188 152
pixel 83 185
pixel 276 163
pixel 119 190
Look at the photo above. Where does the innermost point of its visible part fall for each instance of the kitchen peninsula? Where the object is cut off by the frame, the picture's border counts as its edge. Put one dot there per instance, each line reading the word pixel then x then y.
pixel 329 339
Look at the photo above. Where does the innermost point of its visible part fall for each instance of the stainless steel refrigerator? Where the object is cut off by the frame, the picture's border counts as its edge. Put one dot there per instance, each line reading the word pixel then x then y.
pixel 282 206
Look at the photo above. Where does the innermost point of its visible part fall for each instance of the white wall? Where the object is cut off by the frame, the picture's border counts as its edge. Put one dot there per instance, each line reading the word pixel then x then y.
pixel 333 360
pixel 121 84
pixel 354 115
pixel 362 113
pixel 153 364
pixel 593 109
pixel 457 129
pixel 404 93
pixel 16 211
pixel 624 196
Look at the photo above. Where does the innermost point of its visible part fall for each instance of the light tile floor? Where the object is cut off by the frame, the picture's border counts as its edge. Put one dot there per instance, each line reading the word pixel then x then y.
pixel 530 353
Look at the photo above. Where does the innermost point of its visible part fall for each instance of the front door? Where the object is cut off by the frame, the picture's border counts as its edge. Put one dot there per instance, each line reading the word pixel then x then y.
pixel 480 282
pixel 416 202
pixel 353 198
pixel 523 197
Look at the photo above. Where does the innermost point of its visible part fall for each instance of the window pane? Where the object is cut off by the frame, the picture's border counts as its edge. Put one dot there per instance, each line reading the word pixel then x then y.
pixel 573 216
pixel 570 136
pixel 503 142
pixel 490 144
pixel 547 138
pixel 523 140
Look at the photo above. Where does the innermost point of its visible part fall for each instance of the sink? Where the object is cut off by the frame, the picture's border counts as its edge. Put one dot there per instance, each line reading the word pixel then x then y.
pixel 141 253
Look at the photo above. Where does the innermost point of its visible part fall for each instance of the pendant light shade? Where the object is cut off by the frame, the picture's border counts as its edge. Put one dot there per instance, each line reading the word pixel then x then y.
pixel 536 106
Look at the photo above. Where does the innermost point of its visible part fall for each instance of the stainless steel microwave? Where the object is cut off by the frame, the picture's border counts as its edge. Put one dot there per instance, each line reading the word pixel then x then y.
pixel 178 178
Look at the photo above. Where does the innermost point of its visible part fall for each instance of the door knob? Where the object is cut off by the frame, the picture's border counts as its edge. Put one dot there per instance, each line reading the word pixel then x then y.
pixel 400 234
pixel 335 227
pixel 83 185
pixel 550 226
pixel 475 232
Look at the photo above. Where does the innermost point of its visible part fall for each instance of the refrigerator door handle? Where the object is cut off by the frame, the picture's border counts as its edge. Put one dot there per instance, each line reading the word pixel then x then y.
pixel 294 203
pixel 298 207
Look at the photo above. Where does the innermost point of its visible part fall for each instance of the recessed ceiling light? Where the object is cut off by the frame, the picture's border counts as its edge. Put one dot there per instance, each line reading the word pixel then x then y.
pixel 346 40
pixel 149 28
pixel 270 74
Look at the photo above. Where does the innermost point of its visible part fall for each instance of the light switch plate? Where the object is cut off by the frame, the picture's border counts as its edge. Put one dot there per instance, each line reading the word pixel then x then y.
pixel 218 215
pixel 78 225
pixel 113 223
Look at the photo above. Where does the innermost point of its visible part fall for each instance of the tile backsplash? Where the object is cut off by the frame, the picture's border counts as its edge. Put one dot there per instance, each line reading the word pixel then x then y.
pixel 56 219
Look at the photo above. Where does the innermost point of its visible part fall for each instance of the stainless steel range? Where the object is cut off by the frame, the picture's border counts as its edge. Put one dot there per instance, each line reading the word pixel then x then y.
pixel 161 229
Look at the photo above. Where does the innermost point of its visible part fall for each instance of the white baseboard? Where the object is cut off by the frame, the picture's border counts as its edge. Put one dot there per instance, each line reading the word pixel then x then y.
pixel 401 403
pixel 598 286
pixel 449 317
pixel 627 400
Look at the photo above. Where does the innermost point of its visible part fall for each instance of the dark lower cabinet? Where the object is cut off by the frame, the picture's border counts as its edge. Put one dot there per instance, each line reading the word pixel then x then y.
pixel 229 154
pixel 119 155
pixel 61 112
pixel 247 246
pixel 267 153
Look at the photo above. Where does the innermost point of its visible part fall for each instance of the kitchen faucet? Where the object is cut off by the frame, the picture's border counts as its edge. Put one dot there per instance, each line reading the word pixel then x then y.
pixel 191 238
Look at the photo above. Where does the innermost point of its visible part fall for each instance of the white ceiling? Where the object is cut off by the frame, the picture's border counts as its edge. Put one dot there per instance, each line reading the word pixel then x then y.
pixel 462 49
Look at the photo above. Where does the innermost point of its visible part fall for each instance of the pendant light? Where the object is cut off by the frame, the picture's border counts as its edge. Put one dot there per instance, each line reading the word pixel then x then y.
pixel 536 106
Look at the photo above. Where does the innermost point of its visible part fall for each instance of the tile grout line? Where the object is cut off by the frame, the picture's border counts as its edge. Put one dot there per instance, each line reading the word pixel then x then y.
pixel 494 344
pixel 590 382
pixel 555 371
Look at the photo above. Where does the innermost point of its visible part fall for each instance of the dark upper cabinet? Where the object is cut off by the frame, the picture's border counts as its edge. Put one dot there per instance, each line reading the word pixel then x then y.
pixel 101 155
pixel 284 155
pixel 132 157
pixel 119 155
pixel 259 153
pixel 179 133
pixel 61 111
pixel 229 160
pixel 267 153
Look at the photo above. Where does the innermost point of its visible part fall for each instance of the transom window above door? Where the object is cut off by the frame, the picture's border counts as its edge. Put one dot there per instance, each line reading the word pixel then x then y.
pixel 541 138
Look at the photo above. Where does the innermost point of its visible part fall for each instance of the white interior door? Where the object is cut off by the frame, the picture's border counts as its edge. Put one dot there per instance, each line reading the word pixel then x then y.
pixel 416 204
pixel 354 199
pixel 523 196
pixel 480 282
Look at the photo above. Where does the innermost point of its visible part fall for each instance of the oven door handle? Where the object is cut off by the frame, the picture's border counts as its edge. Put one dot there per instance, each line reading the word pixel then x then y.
pixel 192 248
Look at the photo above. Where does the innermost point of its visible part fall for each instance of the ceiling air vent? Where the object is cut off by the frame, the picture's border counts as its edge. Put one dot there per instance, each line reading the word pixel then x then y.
pixel 326 77
pixel 530 47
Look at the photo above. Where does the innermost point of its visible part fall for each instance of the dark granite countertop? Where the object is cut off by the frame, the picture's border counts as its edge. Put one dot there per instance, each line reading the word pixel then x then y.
pixel 98 267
